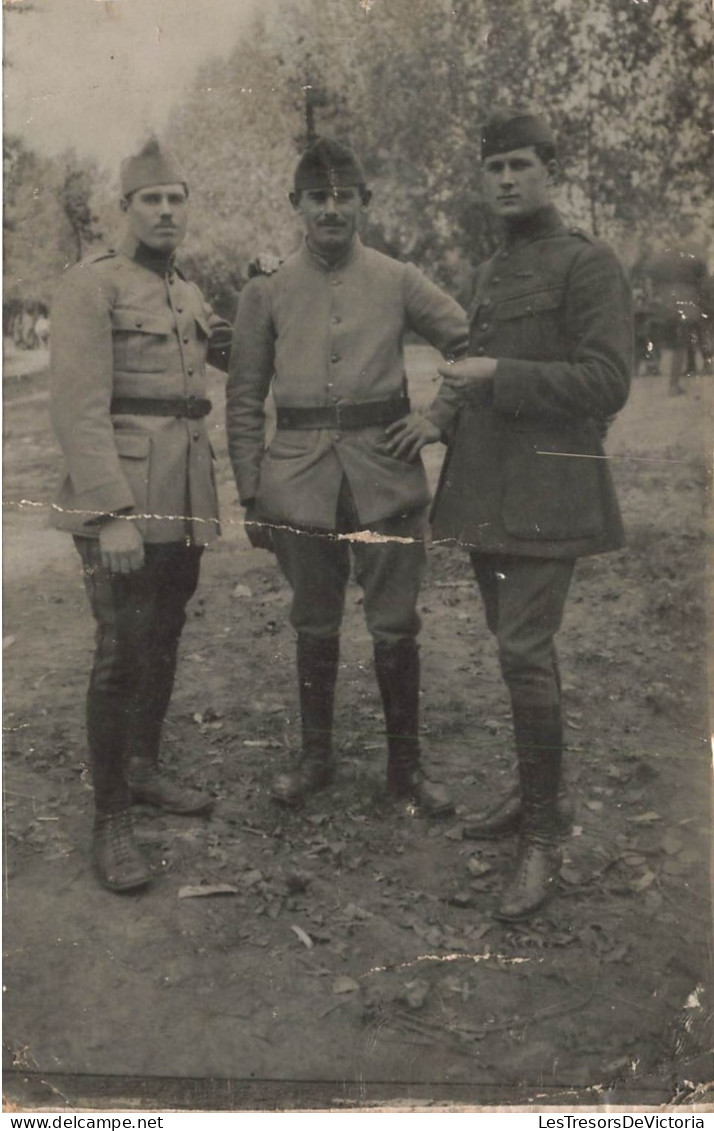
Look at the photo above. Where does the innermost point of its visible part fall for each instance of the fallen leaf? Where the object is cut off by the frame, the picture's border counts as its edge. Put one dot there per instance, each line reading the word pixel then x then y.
pixel 242 591
pixel 595 806
pixel 671 844
pixel 618 953
pixel 343 984
pixel 192 891
pixel 251 878
pixel 263 707
pixel 644 881
pixel 571 875
pixel 461 899
pixel 297 880
pixel 415 993
pixel 478 867
pixel 674 867
pixel 302 935
pixel 645 818
pixel 352 911
pixel 455 833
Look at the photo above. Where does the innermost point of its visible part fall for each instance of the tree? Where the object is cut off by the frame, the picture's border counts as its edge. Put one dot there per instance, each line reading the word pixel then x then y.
pixel 627 84
pixel 75 194
pixel 49 218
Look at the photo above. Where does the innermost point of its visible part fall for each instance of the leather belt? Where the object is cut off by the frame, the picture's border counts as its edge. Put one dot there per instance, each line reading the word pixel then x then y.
pixel 344 416
pixel 189 408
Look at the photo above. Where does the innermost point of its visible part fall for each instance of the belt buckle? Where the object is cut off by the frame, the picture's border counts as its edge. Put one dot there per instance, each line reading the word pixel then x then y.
pixel 192 408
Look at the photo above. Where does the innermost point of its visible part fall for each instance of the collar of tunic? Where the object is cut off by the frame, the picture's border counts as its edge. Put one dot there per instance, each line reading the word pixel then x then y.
pixel 156 261
pixel 319 261
pixel 542 223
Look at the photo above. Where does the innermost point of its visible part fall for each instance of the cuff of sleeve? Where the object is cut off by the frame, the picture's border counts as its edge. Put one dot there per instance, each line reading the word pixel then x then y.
pixel 103 503
pixel 103 519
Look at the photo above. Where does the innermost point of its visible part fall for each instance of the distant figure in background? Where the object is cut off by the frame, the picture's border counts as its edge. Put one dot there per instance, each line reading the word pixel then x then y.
pixel 646 352
pixel 525 487
pixel 130 339
pixel 24 327
pixel 42 330
pixel 678 282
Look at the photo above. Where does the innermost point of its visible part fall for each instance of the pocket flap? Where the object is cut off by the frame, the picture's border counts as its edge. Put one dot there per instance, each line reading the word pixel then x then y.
pixel 132 445
pixel 203 325
pixel 140 322
pixel 521 306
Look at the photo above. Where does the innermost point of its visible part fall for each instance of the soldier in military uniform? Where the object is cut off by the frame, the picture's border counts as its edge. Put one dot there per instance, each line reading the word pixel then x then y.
pixel 325 332
pixel 130 339
pixel 525 486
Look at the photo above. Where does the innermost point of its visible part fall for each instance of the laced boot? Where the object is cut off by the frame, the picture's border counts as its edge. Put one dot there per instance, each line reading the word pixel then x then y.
pixel 317 664
pixel 149 784
pixel 539 744
pixel 397 668
pixel 505 817
pixel 117 860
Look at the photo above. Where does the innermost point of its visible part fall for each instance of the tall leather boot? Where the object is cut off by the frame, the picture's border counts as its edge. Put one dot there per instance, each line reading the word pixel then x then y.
pixel 117 859
pixel 317 665
pixel 539 743
pixel 148 781
pixel 397 668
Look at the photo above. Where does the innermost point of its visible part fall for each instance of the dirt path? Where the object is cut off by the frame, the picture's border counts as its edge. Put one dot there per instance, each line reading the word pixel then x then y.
pixel 357 961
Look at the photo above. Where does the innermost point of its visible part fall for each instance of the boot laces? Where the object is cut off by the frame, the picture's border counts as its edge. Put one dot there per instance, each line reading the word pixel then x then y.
pixel 120 833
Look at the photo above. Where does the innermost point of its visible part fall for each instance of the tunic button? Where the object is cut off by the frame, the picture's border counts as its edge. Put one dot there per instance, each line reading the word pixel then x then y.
pixel 185 340
pixel 497 278
pixel 197 435
pixel 480 351
pixel 337 437
pixel 337 320
pixel 190 371
pixel 139 325
pixel 180 309
pixel 483 326
pixel 335 358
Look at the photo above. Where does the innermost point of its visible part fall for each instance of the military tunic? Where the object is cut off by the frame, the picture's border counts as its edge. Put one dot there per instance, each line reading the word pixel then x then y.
pixel 321 335
pixel 525 472
pixel 126 325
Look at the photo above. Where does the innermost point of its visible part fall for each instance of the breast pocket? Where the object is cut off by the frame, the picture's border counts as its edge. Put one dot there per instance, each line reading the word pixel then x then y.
pixel 530 324
pixel 142 342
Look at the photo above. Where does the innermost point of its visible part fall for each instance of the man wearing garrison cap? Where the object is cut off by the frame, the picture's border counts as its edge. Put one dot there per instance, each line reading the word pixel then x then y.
pixel 525 487
pixel 130 339
pixel 326 333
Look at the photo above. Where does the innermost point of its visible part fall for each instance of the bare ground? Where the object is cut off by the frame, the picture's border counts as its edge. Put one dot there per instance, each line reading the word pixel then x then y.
pixel 357 962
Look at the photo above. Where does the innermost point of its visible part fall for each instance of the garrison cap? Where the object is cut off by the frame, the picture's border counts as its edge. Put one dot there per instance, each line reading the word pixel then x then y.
pixel 507 130
pixel 328 164
pixel 151 166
